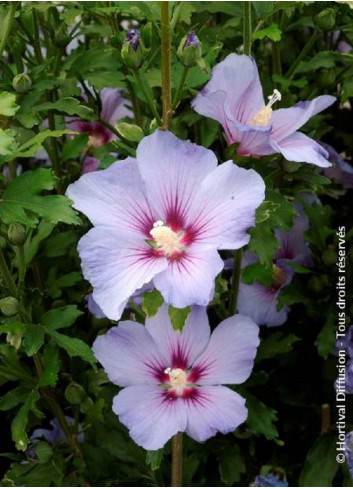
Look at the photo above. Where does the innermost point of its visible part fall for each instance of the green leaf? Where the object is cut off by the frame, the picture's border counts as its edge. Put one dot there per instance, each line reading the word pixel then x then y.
pixel 323 59
pixel 102 79
pixel 73 147
pixel 277 343
pixel 151 302
pixel 33 338
pixel 10 368
pixel 12 398
pixel 154 458
pixel 73 346
pixel 61 317
pixel 265 211
pixel 20 421
pixel 326 339
pixel 272 32
pixel 178 317
pixel 51 366
pixel 33 145
pixel 231 464
pixel 68 280
pixel 316 473
pixel 8 106
pixel 259 273
pixel 264 243
pixel 21 202
pixel 32 245
pixel 69 106
pixel 263 9
pixel 261 418
pixel 44 451
pixel 130 132
pixel 7 142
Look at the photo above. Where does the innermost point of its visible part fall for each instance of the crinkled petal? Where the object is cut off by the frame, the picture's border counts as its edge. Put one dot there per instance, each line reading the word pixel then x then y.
pixel 151 417
pixel 302 149
pixel 229 355
pixel 114 197
pixel 237 76
pixel 172 170
pixel 129 355
pixel 225 206
pixel 190 280
pixel 214 409
pixel 260 304
pixel 286 121
pixel 116 264
pixel 183 347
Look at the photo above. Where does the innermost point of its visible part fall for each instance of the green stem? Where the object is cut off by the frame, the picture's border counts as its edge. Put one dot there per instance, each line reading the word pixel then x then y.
pixel 247 28
pixel 177 460
pixel 21 267
pixel 180 87
pixel 10 284
pixel 141 80
pixel 7 25
pixel 166 66
pixel 235 282
pixel 109 126
pixel 306 49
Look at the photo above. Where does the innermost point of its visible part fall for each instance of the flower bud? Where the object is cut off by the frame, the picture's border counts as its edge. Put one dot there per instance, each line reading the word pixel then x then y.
pixel 9 306
pixel 21 83
pixel 325 20
pixel 74 393
pixel 189 50
pixel 16 234
pixel 133 51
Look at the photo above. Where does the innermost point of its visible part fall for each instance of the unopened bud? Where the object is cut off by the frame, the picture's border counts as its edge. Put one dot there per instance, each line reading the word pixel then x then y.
pixel 325 20
pixel 21 83
pixel 9 306
pixel 189 50
pixel 74 393
pixel 133 51
pixel 16 234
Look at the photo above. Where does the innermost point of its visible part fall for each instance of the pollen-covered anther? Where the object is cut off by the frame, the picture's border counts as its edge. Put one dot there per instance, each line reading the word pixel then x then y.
pixel 166 239
pixel 177 378
pixel 279 276
pixel 263 116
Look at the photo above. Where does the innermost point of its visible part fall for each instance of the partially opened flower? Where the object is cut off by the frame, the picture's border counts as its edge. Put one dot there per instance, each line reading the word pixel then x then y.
pixel 234 98
pixel 172 379
pixel 162 217
pixel 260 302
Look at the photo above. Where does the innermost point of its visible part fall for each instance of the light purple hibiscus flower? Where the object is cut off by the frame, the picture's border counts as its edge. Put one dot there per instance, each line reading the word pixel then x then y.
pixel 162 217
pixel 260 302
pixel 349 452
pixel 114 108
pixel 269 480
pixel 234 98
pixel 172 380
pixel 340 171
pixel 56 433
pixel 346 342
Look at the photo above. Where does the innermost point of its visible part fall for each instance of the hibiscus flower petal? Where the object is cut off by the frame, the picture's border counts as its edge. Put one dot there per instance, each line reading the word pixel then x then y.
pixel 190 279
pixel 172 169
pixel 151 417
pixel 213 409
pixel 116 264
pixel 229 355
pixel 299 147
pixel 114 197
pixel 129 355
pixel 286 121
pixel 183 347
pixel 238 77
pixel 225 206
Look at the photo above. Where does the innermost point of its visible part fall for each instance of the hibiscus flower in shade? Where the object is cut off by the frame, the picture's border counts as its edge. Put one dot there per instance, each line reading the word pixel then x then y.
pixel 234 98
pixel 349 452
pixel 340 172
pixel 114 108
pixel 269 480
pixel 162 217
pixel 260 302
pixel 173 380
pixel 55 434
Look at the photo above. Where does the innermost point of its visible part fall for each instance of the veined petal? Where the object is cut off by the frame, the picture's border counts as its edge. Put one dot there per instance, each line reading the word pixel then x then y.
pixel 253 140
pixel 225 207
pixel 302 149
pixel 152 419
pixel 238 77
pixel 229 355
pixel 129 355
pixel 116 264
pixel 183 347
pixel 286 121
pixel 172 169
pixel 260 304
pixel 114 106
pixel 114 197
pixel 190 280
pixel 213 409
